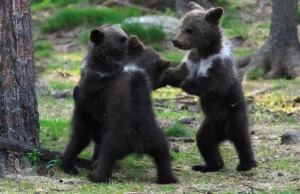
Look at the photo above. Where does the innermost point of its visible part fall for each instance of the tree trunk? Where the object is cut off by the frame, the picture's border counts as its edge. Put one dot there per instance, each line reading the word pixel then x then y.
pixel 280 55
pixel 19 119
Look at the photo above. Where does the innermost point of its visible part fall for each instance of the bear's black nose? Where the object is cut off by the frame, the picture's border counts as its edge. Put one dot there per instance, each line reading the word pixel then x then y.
pixel 175 42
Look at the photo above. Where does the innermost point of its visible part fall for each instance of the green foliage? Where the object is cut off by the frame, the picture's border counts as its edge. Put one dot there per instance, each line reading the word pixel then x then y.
pixel 221 2
pixel 158 47
pixel 57 85
pixel 55 162
pixel 70 18
pixel 54 128
pixel 255 74
pixel 42 49
pixel 244 52
pixel 147 34
pixel 233 25
pixel 298 14
pixel 83 38
pixel 33 157
pixel 175 57
pixel 170 12
pixel 177 130
pixel 37 5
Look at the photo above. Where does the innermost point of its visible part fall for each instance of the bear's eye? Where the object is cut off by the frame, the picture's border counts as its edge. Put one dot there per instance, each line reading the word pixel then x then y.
pixel 123 39
pixel 189 31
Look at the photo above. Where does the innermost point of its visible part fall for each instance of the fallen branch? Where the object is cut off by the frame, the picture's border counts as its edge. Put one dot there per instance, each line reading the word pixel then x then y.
pixel 251 187
pixel 263 91
pixel 45 155
pixel 182 139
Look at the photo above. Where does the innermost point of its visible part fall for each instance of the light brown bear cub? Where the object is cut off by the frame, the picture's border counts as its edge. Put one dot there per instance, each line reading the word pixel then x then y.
pixel 211 75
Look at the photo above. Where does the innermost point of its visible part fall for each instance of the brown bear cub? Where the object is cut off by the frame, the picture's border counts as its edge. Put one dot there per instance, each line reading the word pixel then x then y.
pixel 120 100
pixel 212 76
pixel 103 60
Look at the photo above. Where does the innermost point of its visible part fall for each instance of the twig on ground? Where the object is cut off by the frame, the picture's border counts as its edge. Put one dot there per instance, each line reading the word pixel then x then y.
pixel 46 155
pixel 182 139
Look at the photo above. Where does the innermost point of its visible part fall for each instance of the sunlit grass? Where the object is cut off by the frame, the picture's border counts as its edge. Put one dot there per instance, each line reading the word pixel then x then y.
pixel 70 18
pixel 60 85
pixel 177 130
pixel 42 49
pixel 175 57
pixel 147 34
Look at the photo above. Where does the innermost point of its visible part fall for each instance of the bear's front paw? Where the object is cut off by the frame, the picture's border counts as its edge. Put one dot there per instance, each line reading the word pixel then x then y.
pixel 189 87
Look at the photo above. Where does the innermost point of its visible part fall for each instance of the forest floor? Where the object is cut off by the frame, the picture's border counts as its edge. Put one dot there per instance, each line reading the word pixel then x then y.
pixel 273 107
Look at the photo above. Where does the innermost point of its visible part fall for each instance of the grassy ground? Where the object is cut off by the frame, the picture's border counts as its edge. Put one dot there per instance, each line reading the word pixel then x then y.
pixel 271 112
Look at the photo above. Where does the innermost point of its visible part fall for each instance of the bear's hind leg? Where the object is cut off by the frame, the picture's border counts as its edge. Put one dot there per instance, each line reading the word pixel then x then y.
pixel 239 135
pixel 208 146
pixel 77 143
pixel 108 155
pixel 157 147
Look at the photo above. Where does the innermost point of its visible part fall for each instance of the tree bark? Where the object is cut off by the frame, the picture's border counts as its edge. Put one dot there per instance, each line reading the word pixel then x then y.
pixel 280 55
pixel 19 119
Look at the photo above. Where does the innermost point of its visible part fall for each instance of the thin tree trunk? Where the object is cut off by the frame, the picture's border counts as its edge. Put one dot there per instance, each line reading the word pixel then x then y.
pixel 280 55
pixel 19 119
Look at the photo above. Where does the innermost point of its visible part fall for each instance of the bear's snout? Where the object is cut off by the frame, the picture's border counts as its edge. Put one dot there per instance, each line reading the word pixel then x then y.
pixel 175 42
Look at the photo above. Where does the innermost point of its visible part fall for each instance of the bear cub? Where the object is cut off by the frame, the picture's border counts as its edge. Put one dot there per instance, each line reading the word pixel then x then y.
pixel 118 97
pixel 212 76
pixel 107 49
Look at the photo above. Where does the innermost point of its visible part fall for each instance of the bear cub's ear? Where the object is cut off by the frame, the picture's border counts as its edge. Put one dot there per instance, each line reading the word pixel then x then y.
pixel 134 45
pixel 96 36
pixel 214 15
pixel 192 6
pixel 163 64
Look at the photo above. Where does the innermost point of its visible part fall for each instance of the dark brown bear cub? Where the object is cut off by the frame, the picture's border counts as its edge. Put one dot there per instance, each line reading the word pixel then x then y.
pixel 212 76
pixel 119 99
pixel 107 49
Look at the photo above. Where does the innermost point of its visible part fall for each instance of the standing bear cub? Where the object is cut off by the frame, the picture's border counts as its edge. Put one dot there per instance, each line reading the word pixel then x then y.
pixel 211 75
pixel 117 95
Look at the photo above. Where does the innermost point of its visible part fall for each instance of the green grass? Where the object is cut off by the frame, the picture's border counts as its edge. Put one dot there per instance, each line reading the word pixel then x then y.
pixel 177 130
pixel 233 25
pixel 42 49
pixel 147 34
pixel 70 18
pixel 298 15
pixel 244 52
pixel 158 47
pixel 60 85
pixel 53 129
pixel 175 57
pixel 255 74
pixel 67 63
pixel 37 5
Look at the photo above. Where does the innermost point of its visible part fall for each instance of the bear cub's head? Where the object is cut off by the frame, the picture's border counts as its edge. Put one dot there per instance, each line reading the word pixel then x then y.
pixel 107 48
pixel 199 28
pixel 147 59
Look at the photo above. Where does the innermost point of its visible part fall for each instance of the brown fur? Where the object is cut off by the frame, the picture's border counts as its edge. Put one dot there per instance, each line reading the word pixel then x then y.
pixel 115 111
pixel 200 32
pixel 212 77
pixel 107 48
pixel 147 59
